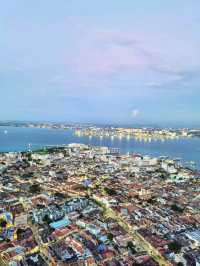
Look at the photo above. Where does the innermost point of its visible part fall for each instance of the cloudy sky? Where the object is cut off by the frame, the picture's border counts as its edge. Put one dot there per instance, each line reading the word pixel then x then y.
pixel 100 61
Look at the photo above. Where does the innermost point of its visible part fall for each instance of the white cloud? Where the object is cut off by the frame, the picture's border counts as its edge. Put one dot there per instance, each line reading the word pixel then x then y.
pixel 135 113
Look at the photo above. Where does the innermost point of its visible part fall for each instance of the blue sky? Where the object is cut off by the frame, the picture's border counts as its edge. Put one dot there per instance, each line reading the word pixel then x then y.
pixel 100 61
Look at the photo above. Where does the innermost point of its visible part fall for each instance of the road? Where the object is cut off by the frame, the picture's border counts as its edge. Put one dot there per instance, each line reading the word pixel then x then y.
pixel 109 212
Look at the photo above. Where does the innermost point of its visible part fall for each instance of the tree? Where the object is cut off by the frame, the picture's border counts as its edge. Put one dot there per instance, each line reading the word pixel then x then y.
pixel 174 247
pixel 180 264
pixel 60 195
pixel 29 157
pixel 46 219
pixel 176 208
pixel 110 236
pixel 130 245
pixel 110 191
pixel 35 188
pixel 151 201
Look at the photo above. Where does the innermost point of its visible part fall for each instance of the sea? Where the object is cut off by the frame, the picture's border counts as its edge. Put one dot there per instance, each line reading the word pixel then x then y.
pixel 22 139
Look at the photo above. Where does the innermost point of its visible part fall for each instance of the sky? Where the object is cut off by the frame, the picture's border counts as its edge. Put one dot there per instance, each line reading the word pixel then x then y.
pixel 122 62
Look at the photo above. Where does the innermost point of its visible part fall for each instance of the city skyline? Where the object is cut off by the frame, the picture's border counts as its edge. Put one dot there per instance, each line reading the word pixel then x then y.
pixel 113 62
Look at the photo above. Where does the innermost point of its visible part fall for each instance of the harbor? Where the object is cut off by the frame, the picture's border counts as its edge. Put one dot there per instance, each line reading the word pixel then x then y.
pixel 187 150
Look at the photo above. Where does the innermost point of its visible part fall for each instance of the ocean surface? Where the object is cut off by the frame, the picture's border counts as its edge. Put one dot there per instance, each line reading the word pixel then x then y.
pixel 18 139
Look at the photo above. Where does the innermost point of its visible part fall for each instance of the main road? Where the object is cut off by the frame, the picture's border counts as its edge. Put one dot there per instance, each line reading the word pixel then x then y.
pixel 110 213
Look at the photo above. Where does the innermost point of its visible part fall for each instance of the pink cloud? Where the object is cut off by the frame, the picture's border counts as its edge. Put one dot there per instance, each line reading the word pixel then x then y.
pixel 107 52
pixel 101 53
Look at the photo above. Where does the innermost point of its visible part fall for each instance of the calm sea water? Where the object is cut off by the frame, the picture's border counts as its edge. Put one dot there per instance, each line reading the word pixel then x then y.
pixel 17 139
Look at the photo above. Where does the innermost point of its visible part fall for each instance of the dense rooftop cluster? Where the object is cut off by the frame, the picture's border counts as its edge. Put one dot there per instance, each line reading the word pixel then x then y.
pixel 83 205
pixel 146 134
